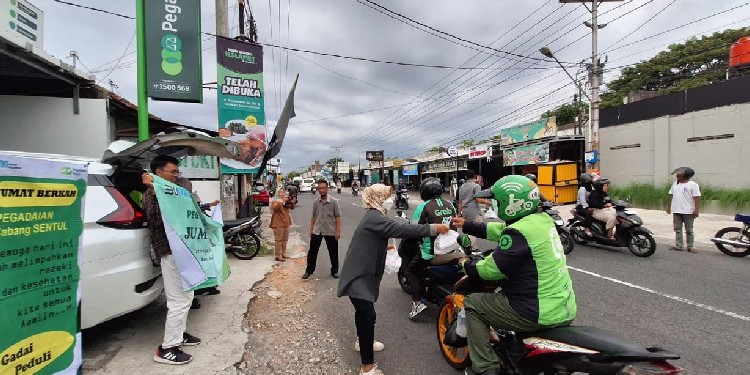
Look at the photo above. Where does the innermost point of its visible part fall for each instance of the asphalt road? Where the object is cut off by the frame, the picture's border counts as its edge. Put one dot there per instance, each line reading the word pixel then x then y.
pixel 697 305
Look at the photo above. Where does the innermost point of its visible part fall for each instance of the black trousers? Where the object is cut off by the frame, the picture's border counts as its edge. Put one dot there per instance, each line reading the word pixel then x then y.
pixel 413 273
pixel 333 252
pixel 364 319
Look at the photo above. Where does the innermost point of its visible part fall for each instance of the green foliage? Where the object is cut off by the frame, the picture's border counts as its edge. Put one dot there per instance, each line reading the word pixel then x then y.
pixel 694 63
pixel 434 149
pixel 468 143
pixel 293 174
pixel 566 113
pixel 333 161
pixel 648 195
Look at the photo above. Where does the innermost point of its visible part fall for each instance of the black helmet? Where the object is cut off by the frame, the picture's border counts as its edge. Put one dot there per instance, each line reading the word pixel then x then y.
pixel 430 188
pixel 601 181
pixel 531 177
pixel 687 171
pixel 585 178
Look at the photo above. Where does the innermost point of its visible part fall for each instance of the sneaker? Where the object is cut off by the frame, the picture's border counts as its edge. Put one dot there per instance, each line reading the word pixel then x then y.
pixel 190 340
pixel 375 371
pixel 305 275
pixel 172 356
pixel 416 308
pixel 377 346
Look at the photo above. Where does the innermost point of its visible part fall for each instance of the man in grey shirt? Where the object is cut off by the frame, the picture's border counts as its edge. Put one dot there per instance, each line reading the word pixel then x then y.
pixel 325 224
pixel 468 206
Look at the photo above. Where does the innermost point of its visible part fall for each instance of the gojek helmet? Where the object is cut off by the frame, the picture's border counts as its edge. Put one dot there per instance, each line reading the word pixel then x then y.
pixel 516 196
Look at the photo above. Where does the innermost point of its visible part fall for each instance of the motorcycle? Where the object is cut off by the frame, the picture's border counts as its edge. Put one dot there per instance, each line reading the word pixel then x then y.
pixel 629 231
pixel 402 199
pixel 559 351
pixel 242 237
pixel 355 191
pixel 734 241
pixel 565 237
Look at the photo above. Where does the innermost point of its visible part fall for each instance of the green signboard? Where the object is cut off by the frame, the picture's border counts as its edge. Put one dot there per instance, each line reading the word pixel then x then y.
pixel 40 232
pixel 524 155
pixel 546 127
pixel 242 117
pixel 173 50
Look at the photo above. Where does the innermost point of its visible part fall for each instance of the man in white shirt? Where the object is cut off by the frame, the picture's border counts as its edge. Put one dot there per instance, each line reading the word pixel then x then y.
pixel 684 205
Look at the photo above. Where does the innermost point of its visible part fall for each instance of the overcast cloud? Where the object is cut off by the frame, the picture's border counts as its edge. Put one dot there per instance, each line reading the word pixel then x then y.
pixel 445 106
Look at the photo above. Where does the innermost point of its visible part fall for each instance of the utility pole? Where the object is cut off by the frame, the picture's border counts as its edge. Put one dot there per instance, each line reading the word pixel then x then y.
pixel 228 182
pixel 336 162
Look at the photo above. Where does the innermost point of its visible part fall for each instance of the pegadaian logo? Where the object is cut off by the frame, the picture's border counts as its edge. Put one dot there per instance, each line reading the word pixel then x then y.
pixel 171 44
pixel 4 164
pixel 66 171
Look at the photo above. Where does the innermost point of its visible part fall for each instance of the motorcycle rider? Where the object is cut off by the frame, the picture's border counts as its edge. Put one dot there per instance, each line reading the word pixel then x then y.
pixel 399 192
pixel 532 177
pixel 603 210
pixel 537 292
pixel 434 210
pixel 582 203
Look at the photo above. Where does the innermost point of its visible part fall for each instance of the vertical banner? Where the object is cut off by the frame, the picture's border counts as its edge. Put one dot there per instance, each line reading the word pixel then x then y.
pixel 173 50
pixel 41 211
pixel 242 117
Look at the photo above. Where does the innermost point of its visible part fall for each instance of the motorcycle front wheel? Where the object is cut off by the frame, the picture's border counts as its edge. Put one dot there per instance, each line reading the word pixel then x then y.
pixel 458 358
pixel 577 233
pixel 402 282
pixel 642 244
pixel 734 234
pixel 567 240
pixel 245 246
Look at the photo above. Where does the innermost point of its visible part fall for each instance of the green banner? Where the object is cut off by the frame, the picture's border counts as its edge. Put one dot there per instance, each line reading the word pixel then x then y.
pixel 524 155
pixel 196 240
pixel 546 127
pixel 40 232
pixel 173 50
pixel 242 116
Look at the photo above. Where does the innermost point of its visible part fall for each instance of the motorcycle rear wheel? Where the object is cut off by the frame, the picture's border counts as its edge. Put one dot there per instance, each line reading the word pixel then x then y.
pixel 458 358
pixel 245 246
pixel 577 233
pixel 642 244
pixel 567 240
pixel 402 282
pixel 735 234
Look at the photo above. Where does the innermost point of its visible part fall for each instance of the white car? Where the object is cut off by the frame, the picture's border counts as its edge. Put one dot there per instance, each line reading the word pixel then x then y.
pixel 307 184
pixel 117 275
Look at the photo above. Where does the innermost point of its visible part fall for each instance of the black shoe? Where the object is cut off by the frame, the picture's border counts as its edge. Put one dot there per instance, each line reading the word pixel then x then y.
pixel 335 275
pixel 469 371
pixel 172 356
pixel 212 291
pixel 305 275
pixel 190 340
pixel 196 304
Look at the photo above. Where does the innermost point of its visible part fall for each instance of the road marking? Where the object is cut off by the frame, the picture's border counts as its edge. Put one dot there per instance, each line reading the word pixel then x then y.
pixel 356 204
pixel 675 298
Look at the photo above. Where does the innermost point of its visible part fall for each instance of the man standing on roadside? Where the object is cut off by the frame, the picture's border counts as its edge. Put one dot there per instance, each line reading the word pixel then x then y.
pixel 178 300
pixel 325 224
pixel 684 205
pixel 468 206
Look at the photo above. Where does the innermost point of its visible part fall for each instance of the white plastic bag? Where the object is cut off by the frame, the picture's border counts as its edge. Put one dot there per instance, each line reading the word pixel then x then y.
pixel 445 243
pixel 490 214
pixel 461 323
pixel 392 262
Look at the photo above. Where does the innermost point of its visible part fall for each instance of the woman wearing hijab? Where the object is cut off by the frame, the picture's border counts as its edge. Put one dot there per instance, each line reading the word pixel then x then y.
pixel 280 222
pixel 364 265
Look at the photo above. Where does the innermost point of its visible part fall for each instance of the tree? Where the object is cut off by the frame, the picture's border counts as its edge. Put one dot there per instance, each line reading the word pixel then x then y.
pixel 694 63
pixel 333 161
pixel 434 149
pixel 566 113
pixel 293 174
pixel 468 143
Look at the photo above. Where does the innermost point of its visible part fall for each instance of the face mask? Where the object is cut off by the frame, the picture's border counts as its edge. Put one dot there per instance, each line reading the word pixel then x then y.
pixel 388 204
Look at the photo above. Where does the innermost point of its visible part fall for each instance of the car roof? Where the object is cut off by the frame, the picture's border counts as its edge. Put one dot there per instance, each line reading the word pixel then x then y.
pixel 94 166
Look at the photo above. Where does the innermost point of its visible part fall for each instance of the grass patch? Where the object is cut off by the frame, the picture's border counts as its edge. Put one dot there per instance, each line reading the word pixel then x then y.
pixel 649 195
pixel 266 249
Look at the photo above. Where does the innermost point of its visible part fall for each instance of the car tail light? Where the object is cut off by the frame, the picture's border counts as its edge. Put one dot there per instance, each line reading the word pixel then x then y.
pixel 127 215
pixel 650 368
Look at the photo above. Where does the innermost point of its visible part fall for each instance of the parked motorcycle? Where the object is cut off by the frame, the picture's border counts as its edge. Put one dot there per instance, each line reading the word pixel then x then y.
pixel 565 238
pixel 402 199
pixel 629 231
pixel 735 241
pixel 355 190
pixel 564 350
pixel 242 237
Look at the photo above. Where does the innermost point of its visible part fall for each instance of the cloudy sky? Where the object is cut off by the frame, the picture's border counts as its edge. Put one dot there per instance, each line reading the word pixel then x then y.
pixel 401 109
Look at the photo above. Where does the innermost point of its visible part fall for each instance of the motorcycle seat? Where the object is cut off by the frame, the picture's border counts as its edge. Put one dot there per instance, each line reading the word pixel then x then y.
pixel 609 345
pixel 742 218
pixel 233 223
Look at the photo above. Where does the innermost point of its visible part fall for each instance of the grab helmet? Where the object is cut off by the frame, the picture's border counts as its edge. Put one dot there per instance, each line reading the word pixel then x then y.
pixel 516 196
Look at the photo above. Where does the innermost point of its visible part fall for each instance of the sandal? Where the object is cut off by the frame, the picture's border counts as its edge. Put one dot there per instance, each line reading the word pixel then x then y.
pixel 675 248
pixel 281 259
pixel 692 250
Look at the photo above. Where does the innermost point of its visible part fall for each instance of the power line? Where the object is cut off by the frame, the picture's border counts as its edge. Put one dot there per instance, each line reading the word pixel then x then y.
pixel 640 26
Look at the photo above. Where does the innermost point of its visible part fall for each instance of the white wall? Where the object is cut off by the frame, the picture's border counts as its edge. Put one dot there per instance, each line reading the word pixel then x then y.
pixel 48 125
pixel 664 147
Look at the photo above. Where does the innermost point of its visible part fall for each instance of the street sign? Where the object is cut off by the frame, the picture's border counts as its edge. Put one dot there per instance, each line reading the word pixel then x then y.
pixel 374 155
pixel 24 19
pixel 452 151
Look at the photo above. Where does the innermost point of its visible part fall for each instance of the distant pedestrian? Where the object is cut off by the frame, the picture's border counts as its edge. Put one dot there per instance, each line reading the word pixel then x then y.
pixel 468 206
pixel 480 180
pixel 684 205
pixel 281 220
pixel 364 266
pixel 325 224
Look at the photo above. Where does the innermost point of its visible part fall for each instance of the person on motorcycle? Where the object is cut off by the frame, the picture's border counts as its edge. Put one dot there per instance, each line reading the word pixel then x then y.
pixel 434 210
pixel 532 177
pixel 399 192
pixel 530 264
pixel 602 209
pixel 582 203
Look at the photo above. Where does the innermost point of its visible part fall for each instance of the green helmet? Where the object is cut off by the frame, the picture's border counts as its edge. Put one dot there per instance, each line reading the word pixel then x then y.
pixel 516 196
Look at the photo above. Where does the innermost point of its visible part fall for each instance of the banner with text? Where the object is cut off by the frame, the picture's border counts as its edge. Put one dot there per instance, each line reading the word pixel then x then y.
pixel 374 155
pixel 242 115
pixel 410 169
pixel 480 151
pixel 196 240
pixel 173 50
pixel 41 206
pixel 199 166
pixel 524 155
pixel 546 127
